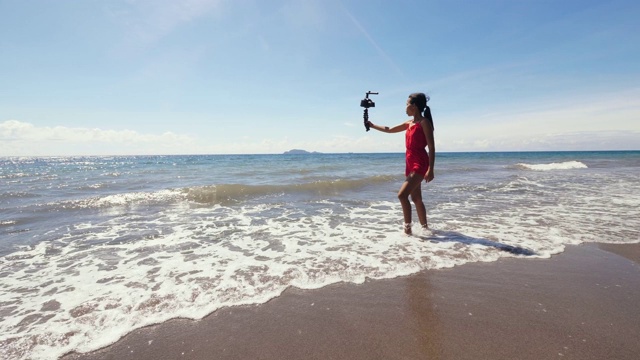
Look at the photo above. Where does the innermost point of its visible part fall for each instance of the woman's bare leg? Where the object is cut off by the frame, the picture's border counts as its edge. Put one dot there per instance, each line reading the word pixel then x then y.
pixel 416 197
pixel 406 189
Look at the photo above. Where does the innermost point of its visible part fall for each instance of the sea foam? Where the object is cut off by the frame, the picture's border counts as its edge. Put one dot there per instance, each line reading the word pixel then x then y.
pixel 567 165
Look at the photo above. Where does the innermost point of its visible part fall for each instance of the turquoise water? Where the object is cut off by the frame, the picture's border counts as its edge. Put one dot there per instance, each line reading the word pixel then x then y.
pixel 94 247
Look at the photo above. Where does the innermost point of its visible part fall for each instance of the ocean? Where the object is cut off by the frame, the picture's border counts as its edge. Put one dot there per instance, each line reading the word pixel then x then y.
pixel 92 248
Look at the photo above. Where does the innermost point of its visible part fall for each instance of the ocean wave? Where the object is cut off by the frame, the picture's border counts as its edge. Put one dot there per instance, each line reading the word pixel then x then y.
pixel 225 193
pixel 218 194
pixel 114 200
pixel 567 165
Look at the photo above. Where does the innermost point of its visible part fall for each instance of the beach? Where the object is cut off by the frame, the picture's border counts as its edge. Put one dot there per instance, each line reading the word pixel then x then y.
pixel 150 257
pixel 580 304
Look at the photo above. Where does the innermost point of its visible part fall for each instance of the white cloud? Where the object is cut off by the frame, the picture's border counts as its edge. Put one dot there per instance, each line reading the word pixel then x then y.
pixel 587 140
pixel 608 122
pixel 368 142
pixel 19 138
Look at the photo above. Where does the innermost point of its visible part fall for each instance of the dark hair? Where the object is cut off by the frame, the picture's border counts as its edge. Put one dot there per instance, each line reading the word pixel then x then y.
pixel 420 100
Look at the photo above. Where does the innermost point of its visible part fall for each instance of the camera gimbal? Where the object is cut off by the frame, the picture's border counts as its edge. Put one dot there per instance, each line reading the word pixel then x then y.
pixel 367 103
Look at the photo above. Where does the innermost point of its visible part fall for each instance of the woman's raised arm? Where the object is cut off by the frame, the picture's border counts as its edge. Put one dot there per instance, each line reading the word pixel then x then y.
pixel 386 129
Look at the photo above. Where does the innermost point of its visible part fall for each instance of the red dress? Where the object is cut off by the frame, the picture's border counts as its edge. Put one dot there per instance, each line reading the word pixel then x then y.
pixel 417 157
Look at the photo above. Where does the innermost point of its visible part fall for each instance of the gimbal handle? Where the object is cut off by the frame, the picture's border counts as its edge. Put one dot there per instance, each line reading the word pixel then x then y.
pixel 366 103
pixel 366 119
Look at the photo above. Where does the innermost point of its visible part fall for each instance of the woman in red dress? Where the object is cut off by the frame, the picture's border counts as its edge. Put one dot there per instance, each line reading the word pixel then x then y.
pixel 419 163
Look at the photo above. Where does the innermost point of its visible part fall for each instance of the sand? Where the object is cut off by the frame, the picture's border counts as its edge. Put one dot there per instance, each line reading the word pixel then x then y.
pixel 581 304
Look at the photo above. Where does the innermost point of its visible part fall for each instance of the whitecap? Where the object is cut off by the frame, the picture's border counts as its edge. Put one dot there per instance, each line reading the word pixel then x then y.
pixel 567 165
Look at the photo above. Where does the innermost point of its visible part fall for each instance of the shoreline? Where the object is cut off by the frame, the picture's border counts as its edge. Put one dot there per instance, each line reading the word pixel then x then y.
pixel 580 304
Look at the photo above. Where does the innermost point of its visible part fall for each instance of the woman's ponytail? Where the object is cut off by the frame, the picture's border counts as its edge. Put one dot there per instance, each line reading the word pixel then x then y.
pixel 427 115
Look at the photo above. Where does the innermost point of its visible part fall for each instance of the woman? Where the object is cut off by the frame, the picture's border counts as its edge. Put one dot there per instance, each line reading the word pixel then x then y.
pixel 419 163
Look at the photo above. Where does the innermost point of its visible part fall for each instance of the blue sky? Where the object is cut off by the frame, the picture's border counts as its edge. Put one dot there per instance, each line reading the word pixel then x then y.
pixel 243 76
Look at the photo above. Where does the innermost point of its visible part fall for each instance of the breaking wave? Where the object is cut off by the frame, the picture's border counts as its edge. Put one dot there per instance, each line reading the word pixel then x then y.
pixel 567 165
pixel 220 194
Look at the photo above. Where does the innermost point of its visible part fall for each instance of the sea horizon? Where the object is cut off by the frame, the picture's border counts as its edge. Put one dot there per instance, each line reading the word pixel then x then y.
pixel 313 152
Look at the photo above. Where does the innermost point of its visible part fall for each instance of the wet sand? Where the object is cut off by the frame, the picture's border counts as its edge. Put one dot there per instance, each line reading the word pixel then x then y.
pixel 581 304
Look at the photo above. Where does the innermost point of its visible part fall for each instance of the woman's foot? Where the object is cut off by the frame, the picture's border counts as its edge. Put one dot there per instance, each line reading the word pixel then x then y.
pixel 407 228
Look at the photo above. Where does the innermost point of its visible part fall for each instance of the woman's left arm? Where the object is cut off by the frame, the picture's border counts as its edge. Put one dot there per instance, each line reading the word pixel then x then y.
pixel 431 144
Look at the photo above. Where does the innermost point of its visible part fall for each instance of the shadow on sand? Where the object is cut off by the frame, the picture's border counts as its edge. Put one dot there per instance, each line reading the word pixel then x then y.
pixel 452 236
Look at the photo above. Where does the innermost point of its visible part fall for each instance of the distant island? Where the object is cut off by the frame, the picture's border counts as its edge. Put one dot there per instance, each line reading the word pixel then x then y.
pixel 299 152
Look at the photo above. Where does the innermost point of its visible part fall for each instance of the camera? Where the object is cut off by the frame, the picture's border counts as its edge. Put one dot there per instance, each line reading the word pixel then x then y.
pixel 367 103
